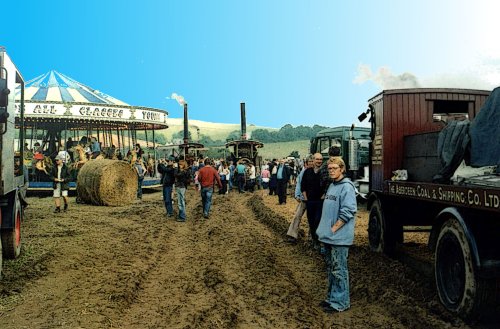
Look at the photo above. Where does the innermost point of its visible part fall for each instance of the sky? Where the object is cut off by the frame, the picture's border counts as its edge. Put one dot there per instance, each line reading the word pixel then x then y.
pixel 298 62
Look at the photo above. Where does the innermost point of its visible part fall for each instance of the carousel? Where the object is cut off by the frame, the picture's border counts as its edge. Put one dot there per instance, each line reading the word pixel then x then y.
pixel 64 115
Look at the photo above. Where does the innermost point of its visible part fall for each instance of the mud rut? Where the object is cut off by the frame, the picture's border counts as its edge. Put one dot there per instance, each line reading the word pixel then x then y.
pixel 131 267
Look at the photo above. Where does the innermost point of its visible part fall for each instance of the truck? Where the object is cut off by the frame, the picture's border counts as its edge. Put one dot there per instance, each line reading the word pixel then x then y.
pixel 12 170
pixel 434 167
pixel 352 143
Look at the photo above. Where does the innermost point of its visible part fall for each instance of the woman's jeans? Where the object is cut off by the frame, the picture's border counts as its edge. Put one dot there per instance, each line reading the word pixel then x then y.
pixel 139 187
pixel 167 199
pixel 338 277
pixel 181 202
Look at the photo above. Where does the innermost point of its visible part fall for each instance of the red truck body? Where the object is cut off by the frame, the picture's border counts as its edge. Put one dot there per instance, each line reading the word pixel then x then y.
pixel 463 217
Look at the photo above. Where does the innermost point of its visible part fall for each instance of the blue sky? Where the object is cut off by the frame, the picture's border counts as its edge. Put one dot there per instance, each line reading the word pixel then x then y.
pixel 299 62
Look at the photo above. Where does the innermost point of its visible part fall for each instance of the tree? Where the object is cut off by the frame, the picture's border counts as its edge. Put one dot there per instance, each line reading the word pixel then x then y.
pixel 180 135
pixel 234 135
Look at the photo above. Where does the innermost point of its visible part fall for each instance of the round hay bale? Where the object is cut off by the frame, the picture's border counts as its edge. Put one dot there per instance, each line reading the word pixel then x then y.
pixel 107 183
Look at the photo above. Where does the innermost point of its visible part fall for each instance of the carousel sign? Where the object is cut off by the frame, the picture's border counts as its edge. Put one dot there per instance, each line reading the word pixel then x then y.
pixel 92 111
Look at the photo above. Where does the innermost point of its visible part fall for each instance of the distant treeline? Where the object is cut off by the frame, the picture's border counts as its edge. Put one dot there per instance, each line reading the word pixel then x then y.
pixel 287 133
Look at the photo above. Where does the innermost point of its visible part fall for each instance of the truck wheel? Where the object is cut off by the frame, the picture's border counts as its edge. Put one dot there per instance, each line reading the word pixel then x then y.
pixel 380 235
pixel 1 260
pixel 459 288
pixel 11 237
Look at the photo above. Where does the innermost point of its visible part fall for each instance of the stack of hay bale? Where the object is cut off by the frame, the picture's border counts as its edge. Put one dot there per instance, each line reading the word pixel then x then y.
pixel 107 183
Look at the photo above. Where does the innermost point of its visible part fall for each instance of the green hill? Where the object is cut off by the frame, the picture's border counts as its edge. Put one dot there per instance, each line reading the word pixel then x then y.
pixel 216 131
pixel 283 149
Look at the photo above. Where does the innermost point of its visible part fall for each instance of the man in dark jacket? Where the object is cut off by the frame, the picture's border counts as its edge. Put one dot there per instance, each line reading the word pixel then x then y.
pixel 283 176
pixel 167 171
pixel 310 186
pixel 61 177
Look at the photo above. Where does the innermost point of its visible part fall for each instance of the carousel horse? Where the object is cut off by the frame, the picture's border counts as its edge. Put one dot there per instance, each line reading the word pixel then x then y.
pixel 131 157
pixel 82 157
pixel 150 166
pixel 100 156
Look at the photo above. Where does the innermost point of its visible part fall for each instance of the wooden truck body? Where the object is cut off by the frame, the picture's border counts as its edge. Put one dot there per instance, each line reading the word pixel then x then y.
pixel 462 214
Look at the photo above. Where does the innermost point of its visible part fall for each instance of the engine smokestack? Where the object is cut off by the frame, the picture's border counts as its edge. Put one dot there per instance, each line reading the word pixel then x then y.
pixel 243 122
pixel 186 131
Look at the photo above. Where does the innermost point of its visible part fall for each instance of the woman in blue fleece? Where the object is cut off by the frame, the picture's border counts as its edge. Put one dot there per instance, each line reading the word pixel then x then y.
pixel 336 231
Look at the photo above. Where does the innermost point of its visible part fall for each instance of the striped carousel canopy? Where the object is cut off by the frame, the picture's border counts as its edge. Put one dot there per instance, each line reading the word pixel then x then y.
pixel 56 98
pixel 57 87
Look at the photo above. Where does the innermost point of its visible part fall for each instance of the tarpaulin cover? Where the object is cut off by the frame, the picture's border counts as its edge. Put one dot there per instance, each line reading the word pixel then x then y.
pixel 452 144
pixel 485 133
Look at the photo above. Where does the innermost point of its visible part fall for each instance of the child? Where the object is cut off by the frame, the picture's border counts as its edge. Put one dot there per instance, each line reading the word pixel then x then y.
pixel 196 182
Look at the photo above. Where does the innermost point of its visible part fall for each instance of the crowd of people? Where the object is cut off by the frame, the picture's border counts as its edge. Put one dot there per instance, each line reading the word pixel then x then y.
pixel 322 191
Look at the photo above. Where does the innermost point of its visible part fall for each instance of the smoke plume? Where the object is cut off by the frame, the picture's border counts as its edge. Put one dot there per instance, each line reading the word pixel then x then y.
pixel 385 79
pixel 179 98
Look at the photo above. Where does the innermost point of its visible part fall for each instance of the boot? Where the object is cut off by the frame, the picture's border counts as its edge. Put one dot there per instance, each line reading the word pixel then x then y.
pixel 57 210
pixel 65 207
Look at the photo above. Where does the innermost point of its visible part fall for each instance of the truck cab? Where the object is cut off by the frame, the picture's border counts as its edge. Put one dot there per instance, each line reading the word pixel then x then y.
pixel 12 171
pixel 353 144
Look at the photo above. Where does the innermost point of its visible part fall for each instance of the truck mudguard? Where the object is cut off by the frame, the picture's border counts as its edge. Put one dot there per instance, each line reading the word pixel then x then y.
pixel 441 218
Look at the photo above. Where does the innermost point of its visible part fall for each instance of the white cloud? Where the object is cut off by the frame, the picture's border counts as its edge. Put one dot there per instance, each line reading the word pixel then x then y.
pixel 483 74
pixel 385 79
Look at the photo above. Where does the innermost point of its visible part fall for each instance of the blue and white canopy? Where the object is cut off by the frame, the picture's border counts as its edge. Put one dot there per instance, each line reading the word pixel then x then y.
pixel 56 98
pixel 57 87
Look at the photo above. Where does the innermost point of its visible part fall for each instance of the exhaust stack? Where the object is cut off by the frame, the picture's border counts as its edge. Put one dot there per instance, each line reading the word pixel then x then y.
pixel 186 131
pixel 243 122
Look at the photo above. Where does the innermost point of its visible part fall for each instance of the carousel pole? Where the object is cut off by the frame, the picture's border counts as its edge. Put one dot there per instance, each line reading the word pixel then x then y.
pixel 31 140
pixel 118 138
pixel 154 151
pixel 110 133
pixel 122 132
pixel 129 137
pixel 66 135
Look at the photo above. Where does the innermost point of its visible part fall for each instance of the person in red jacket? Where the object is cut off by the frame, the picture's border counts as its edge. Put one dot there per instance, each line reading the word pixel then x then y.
pixel 207 177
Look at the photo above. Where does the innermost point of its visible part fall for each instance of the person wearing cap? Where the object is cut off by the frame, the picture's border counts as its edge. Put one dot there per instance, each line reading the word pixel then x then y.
pixel 168 179
pixel 61 177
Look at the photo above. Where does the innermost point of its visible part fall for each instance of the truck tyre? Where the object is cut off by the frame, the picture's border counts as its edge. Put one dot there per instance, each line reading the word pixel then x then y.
pixel 381 235
pixel 11 237
pixel 459 288
pixel 0 257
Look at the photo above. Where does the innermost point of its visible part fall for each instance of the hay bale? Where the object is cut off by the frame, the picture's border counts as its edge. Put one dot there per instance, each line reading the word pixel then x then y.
pixel 107 183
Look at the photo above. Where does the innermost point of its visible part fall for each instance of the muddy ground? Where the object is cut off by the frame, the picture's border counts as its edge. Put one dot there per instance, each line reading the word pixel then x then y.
pixel 131 267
